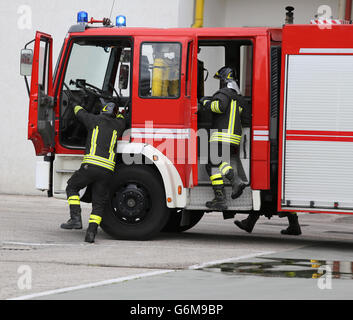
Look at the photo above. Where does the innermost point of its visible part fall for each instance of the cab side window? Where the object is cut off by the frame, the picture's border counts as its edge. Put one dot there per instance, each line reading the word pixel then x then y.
pixel 160 70
pixel 43 66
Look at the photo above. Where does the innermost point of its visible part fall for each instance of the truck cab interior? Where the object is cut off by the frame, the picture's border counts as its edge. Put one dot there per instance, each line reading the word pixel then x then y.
pixel 212 55
pixel 97 72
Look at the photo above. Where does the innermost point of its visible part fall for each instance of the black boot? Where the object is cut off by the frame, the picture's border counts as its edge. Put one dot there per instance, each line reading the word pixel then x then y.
pixel 219 203
pixel 294 227
pixel 91 232
pixel 238 185
pixel 248 223
pixel 237 190
pixel 75 221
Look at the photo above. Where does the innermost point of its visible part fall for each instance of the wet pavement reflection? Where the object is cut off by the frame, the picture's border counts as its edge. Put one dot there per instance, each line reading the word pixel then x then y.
pixel 287 268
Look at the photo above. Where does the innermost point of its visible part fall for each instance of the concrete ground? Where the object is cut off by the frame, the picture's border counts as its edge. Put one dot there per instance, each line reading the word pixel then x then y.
pixel 38 260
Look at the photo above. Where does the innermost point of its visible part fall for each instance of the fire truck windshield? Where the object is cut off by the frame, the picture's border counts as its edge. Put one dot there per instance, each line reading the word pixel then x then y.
pixel 89 63
pixel 92 73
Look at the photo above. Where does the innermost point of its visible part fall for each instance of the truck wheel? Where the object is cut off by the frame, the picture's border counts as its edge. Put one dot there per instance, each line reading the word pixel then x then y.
pixel 173 224
pixel 137 206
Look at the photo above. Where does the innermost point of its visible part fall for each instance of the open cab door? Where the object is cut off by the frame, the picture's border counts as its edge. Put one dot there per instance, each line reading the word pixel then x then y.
pixel 41 118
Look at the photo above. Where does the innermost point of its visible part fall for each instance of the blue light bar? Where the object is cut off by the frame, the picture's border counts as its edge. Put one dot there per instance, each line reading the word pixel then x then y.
pixel 82 17
pixel 120 21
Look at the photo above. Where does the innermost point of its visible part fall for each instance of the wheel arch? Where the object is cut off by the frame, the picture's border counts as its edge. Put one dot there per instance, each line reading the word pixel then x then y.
pixel 140 153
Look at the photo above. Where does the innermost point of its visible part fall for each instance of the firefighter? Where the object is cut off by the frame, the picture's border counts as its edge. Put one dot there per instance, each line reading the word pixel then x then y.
pixel 226 107
pixel 97 167
pixel 293 228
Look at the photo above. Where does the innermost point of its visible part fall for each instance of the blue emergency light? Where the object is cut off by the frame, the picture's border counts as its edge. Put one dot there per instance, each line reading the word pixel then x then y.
pixel 82 17
pixel 120 21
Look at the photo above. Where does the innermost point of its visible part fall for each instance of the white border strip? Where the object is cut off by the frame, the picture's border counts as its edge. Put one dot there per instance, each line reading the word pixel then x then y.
pixel 36 244
pixel 247 256
pixel 326 50
pixel 261 135
pixel 159 130
pixel 261 132
pixel 137 276
pixel 160 136
pixel 160 133
pixel 260 138
pixel 92 285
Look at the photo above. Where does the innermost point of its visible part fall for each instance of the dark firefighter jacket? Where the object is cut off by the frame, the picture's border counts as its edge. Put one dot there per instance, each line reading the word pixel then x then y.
pixel 225 105
pixel 103 133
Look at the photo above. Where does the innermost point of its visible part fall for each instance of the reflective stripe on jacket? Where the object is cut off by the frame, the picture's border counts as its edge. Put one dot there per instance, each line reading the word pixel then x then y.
pixel 226 109
pixel 103 133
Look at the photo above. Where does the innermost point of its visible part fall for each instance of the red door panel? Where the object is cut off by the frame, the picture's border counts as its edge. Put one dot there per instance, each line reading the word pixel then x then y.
pixel 41 106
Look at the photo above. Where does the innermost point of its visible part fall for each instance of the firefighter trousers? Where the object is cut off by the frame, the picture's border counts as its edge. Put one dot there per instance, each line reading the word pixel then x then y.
pixel 99 179
pixel 219 164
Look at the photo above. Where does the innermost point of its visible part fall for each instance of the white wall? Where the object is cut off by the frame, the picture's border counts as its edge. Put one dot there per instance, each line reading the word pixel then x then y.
pixel 240 13
pixel 17 160
pixel 185 13
pixel 256 13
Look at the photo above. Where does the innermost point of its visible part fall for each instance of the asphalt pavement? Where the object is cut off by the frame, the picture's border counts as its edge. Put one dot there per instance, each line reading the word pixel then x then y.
pixel 38 260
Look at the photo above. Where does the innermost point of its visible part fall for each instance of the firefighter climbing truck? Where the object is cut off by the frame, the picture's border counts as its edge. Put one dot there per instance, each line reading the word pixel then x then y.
pixel 296 151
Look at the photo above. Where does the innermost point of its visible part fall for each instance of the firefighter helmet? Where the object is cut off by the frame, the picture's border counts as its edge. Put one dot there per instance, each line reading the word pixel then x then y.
pixel 225 74
pixel 110 109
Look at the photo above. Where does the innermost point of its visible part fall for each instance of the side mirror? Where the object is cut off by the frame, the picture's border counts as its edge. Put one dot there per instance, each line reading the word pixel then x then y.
pixel 26 62
pixel 123 76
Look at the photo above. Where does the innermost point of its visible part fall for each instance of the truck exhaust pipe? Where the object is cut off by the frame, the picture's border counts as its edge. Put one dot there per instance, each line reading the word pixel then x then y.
pixel 289 15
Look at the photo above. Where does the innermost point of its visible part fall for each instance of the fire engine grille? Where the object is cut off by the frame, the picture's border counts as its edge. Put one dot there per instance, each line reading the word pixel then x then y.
pixel 201 194
pixel 275 80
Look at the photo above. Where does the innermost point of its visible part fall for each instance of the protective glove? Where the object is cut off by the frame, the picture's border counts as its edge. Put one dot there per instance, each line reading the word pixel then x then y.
pixel 204 100
pixel 203 104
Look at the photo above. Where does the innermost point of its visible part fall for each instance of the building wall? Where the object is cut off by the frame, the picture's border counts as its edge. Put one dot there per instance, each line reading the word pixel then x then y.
pixel 255 13
pixel 21 18
pixel 272 12
pixel 19 21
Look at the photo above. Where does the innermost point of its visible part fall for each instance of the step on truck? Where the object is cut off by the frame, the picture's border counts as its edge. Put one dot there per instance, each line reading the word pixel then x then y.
pixel 296 151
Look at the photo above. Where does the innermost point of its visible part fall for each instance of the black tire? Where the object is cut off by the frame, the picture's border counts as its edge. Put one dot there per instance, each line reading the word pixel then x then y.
pixel 137 205
pixel 173 224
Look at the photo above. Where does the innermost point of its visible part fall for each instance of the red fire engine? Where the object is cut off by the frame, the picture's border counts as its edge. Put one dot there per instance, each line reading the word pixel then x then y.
pixel 297 145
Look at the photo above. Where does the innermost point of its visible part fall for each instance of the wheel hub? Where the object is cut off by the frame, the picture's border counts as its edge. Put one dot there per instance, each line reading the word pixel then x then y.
pixel 130 204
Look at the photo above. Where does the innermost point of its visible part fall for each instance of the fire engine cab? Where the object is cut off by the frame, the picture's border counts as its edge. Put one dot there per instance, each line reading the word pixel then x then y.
pixel 296 151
